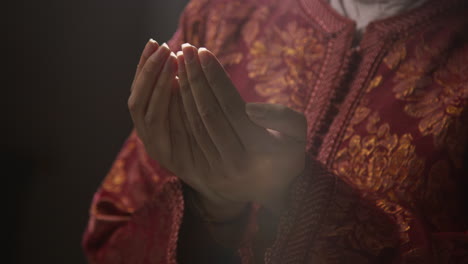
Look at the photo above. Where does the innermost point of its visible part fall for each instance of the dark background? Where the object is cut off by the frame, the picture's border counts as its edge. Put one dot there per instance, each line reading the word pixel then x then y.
pixel 67 71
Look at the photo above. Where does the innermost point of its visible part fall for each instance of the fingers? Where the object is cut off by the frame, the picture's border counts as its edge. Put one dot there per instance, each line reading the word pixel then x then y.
pixel 144 84
pixel 209 110
pixel 150 47
pixel 197 127
pixel 191 140
pixel 158 105
pixel 180 144
pixel 156 120
pixel 280 118
pixel 225 92
pixel 198 160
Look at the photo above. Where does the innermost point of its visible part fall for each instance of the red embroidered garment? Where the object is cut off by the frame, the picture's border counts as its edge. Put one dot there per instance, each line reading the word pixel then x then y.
pixel 387 136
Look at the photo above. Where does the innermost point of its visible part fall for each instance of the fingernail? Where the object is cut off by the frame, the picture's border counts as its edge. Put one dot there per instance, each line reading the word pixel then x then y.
pixel 150 47
pixel 189 54
pixel 164 45
pixel 163 51
pixel 204 57
pixel 255 110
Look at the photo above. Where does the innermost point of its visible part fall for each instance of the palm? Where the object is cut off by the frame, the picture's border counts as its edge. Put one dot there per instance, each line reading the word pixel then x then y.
pixel 245 159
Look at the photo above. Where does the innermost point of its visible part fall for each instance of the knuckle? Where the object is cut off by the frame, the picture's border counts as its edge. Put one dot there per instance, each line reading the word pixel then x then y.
pixel 148 119
pixel 132 105
pixel 147 69
pixel 149 66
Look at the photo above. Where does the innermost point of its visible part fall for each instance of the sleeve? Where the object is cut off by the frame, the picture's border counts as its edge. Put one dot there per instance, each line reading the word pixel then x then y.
pixel 136 212
pixel 332 223
pixel 328 221
pixel 135 215
pixel 325 221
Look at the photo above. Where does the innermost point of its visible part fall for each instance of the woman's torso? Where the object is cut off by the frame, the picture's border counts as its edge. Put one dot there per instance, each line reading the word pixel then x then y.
pixel 388 116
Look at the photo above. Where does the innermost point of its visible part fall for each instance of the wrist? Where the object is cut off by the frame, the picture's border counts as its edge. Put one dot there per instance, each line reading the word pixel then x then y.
pixel 216 212
pixel 278 200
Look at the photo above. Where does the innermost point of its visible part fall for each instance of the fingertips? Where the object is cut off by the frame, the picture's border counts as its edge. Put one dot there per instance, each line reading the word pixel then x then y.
pixel 206 57
pixel 181 67
pixel 151 46
pixel 150 73
pixel 157 60
pixel 190 53
pixel 161 52
pixel 181 61
pixel 171 64
pixel 212 68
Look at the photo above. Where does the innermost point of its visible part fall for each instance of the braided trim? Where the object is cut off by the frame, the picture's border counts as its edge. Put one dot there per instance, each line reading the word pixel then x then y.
pixel 309 198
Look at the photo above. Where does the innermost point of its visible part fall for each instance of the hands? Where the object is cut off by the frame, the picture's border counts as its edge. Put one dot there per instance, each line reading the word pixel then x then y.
pixel 199 127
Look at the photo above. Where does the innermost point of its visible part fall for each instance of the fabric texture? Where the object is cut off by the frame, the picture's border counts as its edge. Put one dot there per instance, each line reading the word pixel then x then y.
pixel 387 137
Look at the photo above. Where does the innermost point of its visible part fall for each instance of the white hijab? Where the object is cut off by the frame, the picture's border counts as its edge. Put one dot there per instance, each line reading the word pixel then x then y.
pixel 366 11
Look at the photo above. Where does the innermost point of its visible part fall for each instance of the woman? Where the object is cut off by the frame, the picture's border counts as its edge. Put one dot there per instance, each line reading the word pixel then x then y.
pixel 380 110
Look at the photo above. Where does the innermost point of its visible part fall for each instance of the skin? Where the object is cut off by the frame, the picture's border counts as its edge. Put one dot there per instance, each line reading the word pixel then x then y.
pixel 192 120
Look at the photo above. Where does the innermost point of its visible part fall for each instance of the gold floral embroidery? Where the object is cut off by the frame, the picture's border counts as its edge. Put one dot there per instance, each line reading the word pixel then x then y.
pixel 384 164
pixel 396 55
pixel 223 29
pixel 354 231
pixel 374 83
pixel 401 216
pixel 381 162
pixel 193 16
pixel 362 111
pixel 359 115
pixel 206 26
pixel 438 99
pixel 252 28
pixel 116 177
pixel 283 60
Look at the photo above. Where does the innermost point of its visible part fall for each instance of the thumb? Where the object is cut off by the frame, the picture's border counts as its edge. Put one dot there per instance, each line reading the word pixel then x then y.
pixel 278 117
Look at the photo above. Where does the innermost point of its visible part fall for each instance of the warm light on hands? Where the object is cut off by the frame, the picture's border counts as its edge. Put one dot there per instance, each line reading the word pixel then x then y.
pixel 201 129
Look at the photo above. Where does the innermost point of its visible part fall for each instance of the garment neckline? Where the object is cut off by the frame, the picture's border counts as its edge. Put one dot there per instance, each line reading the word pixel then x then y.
pixel 333 22
pixel 365 13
